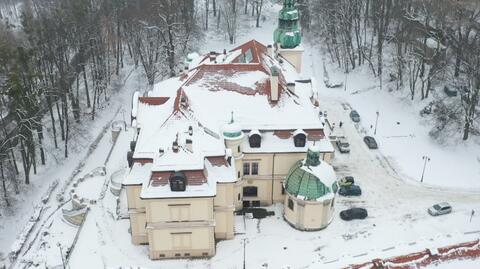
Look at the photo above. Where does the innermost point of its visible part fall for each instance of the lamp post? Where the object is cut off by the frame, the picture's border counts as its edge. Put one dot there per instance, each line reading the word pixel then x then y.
pixel 376 122
pixel 425 159
pixel 244 246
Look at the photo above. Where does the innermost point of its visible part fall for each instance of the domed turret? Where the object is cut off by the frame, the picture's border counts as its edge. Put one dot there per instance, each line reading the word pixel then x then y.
pixel 288 32
pixel 310 188
pixel 232 130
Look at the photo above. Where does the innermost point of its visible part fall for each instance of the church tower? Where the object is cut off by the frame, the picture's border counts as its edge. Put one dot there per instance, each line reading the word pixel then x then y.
pixel 287 36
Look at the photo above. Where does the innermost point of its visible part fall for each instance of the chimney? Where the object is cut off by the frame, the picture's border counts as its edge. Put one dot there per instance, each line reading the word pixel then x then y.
pixel 274 91
pixel 213 56
pixel 270 51
pixel 224 52
pixel 189 145
pixel 175 147
pixel 190 130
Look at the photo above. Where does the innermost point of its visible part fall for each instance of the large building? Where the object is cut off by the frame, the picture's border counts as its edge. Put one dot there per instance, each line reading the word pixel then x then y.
pixel 222 136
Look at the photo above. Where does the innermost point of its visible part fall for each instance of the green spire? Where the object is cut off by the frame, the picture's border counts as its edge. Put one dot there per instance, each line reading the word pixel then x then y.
pixel 288 32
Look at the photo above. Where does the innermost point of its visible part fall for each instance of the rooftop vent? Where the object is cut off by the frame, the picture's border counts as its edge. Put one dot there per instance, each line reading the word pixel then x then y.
pixel 178 181
pixel 190 130
pixel 161 151
pixel 189 145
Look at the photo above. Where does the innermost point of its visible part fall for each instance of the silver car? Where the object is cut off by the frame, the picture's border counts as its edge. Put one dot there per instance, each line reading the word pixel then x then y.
pixel 440 209
pixel 343 145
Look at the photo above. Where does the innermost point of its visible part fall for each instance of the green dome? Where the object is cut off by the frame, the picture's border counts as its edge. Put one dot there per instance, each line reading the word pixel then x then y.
pixel 288 32
pixel 310 182
pixel 232 130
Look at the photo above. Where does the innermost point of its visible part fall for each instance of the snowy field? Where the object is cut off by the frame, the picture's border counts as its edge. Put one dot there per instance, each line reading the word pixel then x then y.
pixel 395 199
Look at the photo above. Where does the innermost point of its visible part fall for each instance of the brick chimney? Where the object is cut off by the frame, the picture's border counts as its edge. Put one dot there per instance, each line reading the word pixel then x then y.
pixel 274 91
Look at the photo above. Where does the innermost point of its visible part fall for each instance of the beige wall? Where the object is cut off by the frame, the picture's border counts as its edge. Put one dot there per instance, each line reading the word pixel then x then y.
pixel 224 224
pixel 184 209
pixel 224 205
pixel 308 215
pixel 174 242
pixel 293 56
pixel 137 225
pixel 269 187
pixel 133 197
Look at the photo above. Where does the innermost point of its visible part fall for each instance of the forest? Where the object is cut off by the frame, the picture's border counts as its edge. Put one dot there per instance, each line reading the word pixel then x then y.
pixel 419 46
pixel 59 59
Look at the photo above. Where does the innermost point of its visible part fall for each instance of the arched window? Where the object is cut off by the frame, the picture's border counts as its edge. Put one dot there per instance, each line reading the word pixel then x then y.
pixel 300 140
pixel 290 204
pixel 255 140
pixel 250 191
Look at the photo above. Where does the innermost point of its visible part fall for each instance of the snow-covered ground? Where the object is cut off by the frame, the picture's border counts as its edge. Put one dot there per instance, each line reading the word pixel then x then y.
pixel 402 134
pixel 397 224
pixel 14 218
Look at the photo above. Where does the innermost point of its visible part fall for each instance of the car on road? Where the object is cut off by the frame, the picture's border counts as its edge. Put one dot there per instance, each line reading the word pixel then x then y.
pixel 355 116
pixel 371 142
pixel 346 181
pixel 352 190
pixel 343 145
pixel 440 209
pixel 450 92
pixel 354 213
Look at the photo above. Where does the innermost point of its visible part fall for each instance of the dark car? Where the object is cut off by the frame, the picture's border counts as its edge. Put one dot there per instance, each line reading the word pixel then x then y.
pixel 450 92
pixel 370 141
pixel 352 190
pixel 355 116
pixel 346 181
pixel 354 213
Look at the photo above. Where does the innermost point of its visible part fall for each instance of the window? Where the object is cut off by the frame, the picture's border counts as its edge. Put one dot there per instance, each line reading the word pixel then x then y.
pixel 300 140
pixel 254 168
pixel 238 149
pixel 250 191
pixel 283 189
pixel 239 197
pixel 290 204
pixel 255 140
pixel 250 168
pixel 246 168
pixel 238 174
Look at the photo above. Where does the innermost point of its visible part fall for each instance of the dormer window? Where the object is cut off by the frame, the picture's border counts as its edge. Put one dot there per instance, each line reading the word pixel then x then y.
pixel 178 181
pixel 255 139
pixel 300 139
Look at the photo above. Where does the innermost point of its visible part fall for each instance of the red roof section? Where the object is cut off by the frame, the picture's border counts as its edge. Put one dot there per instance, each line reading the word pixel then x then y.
pixel 154 101
pixel 257 50
pixel 194 178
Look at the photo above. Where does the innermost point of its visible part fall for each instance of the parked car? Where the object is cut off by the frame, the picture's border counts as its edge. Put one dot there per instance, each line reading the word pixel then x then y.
pixel 343 145
pixel 354 213
pixel 450 92
pixel 352 190
pixel 371 142
pixel 355 116
pixel 346 181
pixel 440 209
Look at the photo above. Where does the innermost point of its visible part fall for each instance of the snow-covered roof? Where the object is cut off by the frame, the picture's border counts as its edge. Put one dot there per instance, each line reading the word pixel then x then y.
pixel 138 174
pixel 197 105
pixel 151 191
pixel 274 143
